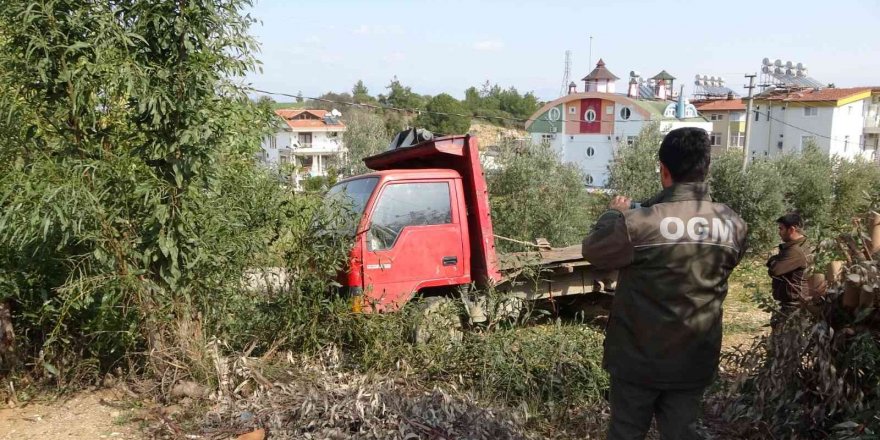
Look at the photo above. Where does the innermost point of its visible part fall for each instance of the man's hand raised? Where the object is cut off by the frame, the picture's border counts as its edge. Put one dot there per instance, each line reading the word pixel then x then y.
pixel 620 203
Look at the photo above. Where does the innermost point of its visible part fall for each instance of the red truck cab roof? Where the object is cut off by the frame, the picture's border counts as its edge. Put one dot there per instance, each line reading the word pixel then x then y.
pixel 440 173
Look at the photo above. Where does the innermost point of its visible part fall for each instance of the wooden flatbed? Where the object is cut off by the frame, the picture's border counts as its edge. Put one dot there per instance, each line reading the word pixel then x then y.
pixel 552 272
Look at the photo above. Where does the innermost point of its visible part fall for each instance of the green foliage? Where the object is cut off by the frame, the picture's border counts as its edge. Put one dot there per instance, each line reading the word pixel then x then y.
pixel 634 170
pixel 806 185
pixel 757 196
pixel 365 135
pixel 360 94
pixel 856 184
pixel 400 96
pixel 827 192
pixel 329 101
pixel 445 117
pixel 117 211
pixel 534 195
pixel 500 106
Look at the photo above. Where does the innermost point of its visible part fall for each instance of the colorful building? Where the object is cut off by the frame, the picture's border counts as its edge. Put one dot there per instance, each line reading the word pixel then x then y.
pixel 587 127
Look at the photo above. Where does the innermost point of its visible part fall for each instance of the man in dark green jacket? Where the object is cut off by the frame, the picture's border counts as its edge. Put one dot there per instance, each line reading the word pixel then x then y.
pixel 674 255
pixel 787 268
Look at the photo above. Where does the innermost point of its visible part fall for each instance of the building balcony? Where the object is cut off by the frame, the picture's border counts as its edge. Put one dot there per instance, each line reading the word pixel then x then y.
pixel 872 125
pixel 317 148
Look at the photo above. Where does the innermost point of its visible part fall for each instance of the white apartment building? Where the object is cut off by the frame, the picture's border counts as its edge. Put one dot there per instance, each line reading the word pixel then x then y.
pixel 842 122
pixel 310 141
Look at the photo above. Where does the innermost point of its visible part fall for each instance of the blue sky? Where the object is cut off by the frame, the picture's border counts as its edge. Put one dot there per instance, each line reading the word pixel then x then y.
pixel 434 47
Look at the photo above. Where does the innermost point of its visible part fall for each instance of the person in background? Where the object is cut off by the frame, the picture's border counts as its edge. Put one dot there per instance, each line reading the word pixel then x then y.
pixel 673 255
pixel 787 268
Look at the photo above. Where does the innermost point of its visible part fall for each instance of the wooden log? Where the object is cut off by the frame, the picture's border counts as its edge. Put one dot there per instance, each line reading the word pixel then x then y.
pixel 874 232
pixel 866 297
pixel 852 292
pixel 834 272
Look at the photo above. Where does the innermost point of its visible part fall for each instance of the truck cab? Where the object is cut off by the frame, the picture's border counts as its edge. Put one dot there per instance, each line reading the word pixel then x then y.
pixel 422 224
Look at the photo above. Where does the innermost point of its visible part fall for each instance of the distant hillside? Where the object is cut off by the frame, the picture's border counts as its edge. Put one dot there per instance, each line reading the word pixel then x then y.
pixel 490 134
pixel 281 105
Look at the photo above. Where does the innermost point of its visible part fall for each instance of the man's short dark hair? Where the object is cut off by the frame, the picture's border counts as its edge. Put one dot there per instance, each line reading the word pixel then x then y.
pixel 791 220
pixel 686 154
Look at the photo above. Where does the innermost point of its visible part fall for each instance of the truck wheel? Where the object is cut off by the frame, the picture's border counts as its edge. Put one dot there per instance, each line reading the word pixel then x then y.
pixel 438 320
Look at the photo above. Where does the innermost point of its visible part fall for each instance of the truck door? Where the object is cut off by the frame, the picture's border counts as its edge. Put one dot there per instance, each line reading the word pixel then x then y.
pixel 414 240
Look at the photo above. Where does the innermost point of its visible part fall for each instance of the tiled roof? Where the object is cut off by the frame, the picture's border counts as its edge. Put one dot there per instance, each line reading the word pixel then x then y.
pixel 289 114
pixel 812 95
pixel 600 72
pixel 664 75
pixel 721 104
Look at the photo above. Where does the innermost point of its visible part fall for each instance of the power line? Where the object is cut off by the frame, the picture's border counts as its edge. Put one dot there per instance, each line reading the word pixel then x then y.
pixel 418 111
pixel 513 119
pixel 819 135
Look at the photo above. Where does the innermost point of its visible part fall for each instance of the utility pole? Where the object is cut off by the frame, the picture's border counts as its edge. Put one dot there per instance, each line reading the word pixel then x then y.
pixel 751 88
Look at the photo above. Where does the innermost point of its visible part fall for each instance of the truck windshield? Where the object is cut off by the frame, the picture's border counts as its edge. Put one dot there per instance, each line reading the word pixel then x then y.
pixel 345 202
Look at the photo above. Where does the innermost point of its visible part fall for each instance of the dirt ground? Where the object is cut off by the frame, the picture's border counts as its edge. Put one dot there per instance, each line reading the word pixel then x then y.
pixel 85 415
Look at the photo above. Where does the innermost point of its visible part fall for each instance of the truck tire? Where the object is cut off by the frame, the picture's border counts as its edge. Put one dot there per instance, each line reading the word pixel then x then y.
pixel 439 320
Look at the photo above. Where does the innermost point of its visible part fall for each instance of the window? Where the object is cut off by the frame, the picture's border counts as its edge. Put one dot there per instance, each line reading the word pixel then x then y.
pixel 572 110
pixel 630 140
pixel 305 140
pixel 625 113
pixel 811 111
pixel 408 204
pixel 332 134
pixel 609 110
pixel 546 139
pixel 736 116
pixel 590 115
pixel 588 179
pixel 348 200
pixel 590 151
pixel 845 142
pixel 554 114
pixel 716 117
pixel 807 140
pixel 737 139
pixel 757 112
pixel 273 142
pixel 849 110
pixel 715 139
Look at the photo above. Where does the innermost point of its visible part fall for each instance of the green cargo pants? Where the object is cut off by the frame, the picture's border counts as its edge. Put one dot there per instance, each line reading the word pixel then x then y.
pixel 633 406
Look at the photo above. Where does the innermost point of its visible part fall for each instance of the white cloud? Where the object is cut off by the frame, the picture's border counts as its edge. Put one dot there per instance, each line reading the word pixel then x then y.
pixel 366 29
pixel 395 57
pixel 489 45
pixel 313 39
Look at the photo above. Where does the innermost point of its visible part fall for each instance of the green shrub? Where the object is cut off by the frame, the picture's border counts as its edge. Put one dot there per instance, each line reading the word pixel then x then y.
pixel 534 195
pixel 129 199
pixel 856 184
pixel 807 186
pixel 633 172
pixel 755 195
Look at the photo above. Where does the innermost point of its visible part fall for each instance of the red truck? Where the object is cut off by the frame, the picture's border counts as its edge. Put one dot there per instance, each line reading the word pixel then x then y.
pixel 424 229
